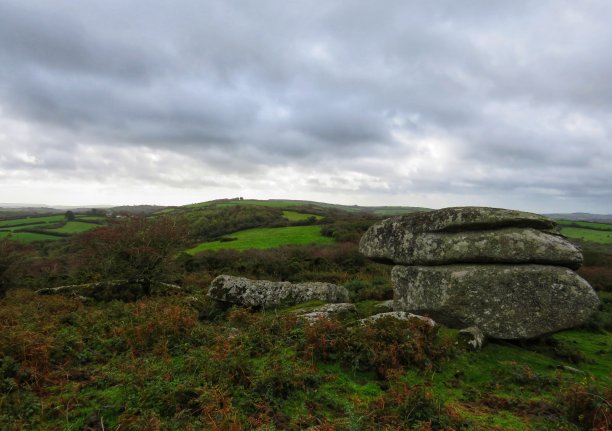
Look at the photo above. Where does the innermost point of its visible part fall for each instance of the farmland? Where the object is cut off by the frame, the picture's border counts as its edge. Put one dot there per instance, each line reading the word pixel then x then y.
pixel 46 228
pixel 587 231
pixel 263 238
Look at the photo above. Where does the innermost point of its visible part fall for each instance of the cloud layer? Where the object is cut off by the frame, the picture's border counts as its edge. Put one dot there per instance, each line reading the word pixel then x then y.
pixel 414 103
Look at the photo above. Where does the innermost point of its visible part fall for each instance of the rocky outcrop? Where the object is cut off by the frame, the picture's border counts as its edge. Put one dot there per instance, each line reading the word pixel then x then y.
pixel 433 238
pixel 267 294
pixel 503 271
pixel 508 245
pixel 504 301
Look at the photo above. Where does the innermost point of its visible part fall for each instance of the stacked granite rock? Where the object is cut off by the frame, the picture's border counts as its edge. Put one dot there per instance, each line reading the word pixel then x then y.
pixel 506 272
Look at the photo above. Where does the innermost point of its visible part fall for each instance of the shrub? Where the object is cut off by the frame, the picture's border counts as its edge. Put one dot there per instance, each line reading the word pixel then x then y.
pixel 587 407
pixel 383 346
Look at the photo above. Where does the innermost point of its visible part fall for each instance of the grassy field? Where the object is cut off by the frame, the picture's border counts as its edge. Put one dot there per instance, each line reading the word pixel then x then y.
pixel 37 221
pixel 594 235
pixel 28 236
pixel 586 224
pixel 75 227
pixel 52 224
pixel 262 238
pixel 296 216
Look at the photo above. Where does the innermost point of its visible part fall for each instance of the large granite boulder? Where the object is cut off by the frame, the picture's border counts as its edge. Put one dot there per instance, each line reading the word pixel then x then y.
pixel 267 294
pixel 504 301
pixel 507 245
pixel 469 235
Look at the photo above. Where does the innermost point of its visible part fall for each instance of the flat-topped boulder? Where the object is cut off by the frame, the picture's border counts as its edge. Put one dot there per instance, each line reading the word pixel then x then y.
pixel 504 301
pixel 505 245
pixel 269 294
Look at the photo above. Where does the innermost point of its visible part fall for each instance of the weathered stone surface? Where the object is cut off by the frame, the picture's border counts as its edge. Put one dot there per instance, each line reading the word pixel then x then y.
pixel 400 315
pixel 328 310
pixel 123 290
pixel 504 301
pixel 468 234
pixel 472 338
pixel 264 293
pixel 507 245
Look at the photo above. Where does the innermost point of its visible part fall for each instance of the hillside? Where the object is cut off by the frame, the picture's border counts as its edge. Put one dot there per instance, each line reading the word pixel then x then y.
pixel 160 354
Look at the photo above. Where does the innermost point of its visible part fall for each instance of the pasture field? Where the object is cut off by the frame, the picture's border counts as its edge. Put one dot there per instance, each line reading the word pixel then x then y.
pixel 75 227
pixel 53 224
pixel 29 236
pixel 586 224
pixel 263 238
pixel 593 235
pixel 296 216
pixel 37 221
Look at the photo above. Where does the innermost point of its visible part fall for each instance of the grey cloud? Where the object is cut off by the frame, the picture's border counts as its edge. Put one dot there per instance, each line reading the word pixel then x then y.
pixel 244 87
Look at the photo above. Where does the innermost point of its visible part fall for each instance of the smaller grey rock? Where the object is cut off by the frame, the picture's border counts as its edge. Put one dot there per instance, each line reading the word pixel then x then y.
pixel 328 310
pixel 400 315
pixel 472 338
pixel 266 294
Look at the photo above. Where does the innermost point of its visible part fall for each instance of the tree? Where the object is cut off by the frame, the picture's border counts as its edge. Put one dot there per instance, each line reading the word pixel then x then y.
pixel 69 216
pixel 136 249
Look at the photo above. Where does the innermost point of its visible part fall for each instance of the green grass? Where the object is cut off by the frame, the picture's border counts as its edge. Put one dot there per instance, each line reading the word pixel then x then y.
pixel 75 227
pixel 262 238
pixel 599 236
pixel 586 224
pixel 36 221
pixel 296 216
pixel 28 236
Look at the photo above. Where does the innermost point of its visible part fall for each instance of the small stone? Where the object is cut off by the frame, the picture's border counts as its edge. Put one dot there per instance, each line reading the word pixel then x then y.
pixel 472 338
pixel 400 315
pixel 328 310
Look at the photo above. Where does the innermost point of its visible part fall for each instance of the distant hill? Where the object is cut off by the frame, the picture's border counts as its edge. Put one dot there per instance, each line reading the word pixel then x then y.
pixel 137 209
pixel 286 203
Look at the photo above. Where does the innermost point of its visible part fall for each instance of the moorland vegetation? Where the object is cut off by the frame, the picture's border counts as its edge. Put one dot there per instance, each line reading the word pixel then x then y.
pixel 176 360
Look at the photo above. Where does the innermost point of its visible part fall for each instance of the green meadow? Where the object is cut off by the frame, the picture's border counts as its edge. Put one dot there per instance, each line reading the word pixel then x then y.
pixel 586 224
pixel 39 226
pixel 75 227
pixel 263 238
pixel 593 235
pixel 37 221
pixel 296 216
pixel 28 236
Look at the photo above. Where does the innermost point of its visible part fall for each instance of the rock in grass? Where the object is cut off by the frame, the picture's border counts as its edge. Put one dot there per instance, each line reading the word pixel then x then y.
pixel 268 294
pixel 329 310
pixel 507 245
pixel 472 338
pixel 400 315
pixel 468 235
pixel 504 301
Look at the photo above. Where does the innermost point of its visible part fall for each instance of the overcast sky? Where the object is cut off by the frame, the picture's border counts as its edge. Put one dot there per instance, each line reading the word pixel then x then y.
pixel 418 103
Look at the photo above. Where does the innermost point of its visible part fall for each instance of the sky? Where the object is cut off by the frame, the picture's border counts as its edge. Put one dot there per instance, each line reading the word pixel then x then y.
pixel 416 103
